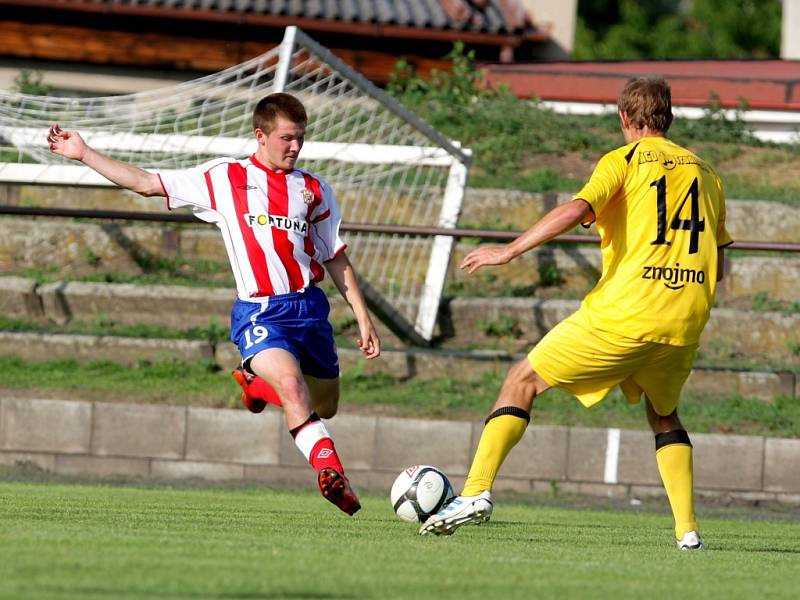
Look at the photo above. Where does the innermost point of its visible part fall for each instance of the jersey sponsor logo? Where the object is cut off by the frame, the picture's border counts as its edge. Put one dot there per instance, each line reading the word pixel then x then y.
pixel 277 221
pixel 669 161
pixel 674 278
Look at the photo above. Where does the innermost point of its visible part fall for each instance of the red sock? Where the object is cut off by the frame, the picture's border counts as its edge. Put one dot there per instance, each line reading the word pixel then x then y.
pixel 314 441
pixel 323 454
pixel 259 388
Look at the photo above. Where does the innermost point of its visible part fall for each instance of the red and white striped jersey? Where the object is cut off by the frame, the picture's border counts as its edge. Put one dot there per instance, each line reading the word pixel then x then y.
pixel 278 228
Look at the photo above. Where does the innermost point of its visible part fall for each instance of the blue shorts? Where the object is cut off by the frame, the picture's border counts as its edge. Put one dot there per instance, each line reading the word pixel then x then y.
pixel 296 322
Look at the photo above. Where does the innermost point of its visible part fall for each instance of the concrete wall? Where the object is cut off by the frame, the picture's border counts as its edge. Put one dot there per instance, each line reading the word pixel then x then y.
pixel 91 439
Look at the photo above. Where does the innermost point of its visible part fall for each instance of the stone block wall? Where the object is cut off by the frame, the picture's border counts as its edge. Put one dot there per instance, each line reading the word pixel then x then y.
pixel 141 442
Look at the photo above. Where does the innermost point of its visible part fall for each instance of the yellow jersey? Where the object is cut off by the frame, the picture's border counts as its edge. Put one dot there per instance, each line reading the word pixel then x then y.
pixel 660 213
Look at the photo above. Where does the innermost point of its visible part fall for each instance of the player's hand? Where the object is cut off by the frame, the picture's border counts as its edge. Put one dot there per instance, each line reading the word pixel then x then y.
pixel 484 256
pixel 66 143
pixel 368 341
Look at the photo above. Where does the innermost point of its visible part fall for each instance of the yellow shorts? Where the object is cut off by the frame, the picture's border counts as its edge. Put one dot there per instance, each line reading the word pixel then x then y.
pixel 588 363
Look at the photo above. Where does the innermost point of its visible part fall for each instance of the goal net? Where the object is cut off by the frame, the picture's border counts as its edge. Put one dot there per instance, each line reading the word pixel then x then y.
pixel 387 166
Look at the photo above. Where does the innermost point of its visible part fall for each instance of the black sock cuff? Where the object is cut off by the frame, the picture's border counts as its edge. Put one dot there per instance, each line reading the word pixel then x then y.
pixel 510 410
pixel 246 366
pixel 678 436
pixel 311 418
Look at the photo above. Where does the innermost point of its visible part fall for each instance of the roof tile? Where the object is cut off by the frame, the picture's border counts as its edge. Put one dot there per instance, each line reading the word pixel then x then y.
pixel 486 16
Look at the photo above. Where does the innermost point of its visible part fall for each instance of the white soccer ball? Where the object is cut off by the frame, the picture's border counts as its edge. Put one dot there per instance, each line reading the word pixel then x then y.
pixel 419 492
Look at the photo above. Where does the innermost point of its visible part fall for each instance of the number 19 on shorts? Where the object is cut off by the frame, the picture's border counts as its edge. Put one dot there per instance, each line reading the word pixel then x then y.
pixel 255 335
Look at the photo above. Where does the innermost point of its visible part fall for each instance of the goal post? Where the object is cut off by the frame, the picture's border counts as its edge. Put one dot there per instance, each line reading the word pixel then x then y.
pixel 386 165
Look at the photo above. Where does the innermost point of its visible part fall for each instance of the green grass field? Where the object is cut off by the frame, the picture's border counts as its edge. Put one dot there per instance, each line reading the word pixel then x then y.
pixel 90 541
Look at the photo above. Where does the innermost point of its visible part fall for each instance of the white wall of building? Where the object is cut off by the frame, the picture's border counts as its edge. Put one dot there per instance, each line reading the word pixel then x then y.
pixel 790 30
pixel 91 79
pixel 560 16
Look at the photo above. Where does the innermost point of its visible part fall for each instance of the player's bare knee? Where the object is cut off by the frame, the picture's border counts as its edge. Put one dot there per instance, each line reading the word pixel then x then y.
pixel 523 376
pixel 291 389
pixel 662 423
pixel 671 422
pixel 519 374
pixel 517 388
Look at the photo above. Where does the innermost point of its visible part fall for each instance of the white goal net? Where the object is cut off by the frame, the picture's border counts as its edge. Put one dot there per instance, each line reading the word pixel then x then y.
pixel 387 166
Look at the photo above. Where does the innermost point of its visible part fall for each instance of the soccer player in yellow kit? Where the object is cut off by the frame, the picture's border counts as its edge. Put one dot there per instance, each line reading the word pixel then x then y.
pixel 660 213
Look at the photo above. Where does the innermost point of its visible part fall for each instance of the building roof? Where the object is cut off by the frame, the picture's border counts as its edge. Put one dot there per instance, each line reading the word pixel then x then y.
pixel 762 84
pixel 210 35
pixel 498 17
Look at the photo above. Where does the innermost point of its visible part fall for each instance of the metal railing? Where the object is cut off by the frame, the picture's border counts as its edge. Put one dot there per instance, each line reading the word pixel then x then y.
pixel 485 234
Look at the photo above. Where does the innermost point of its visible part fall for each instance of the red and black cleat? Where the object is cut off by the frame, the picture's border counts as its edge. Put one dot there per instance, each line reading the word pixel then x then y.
pixel 336 489
pixel 244 379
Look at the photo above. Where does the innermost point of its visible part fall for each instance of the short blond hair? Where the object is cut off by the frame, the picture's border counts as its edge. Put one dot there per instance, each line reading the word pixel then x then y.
pixel 270 107
pixel 648 103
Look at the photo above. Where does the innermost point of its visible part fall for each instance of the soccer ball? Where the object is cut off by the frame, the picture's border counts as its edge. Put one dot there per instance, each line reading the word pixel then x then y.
pixel 419 492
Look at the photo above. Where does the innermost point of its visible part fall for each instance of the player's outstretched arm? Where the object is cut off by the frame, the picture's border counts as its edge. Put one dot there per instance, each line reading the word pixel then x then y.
pixel 559 220
pixel 70 144
pixel 344 276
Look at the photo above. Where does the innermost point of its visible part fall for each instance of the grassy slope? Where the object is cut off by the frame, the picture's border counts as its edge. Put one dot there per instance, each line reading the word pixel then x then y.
pixel 521 145
pixel 68 541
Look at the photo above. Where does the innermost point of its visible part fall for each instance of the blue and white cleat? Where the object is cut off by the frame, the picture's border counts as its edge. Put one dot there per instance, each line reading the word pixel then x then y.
pixel 691 541
pixel 462 510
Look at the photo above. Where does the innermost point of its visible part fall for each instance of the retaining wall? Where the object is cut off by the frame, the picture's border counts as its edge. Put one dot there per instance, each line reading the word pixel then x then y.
pixel 91 439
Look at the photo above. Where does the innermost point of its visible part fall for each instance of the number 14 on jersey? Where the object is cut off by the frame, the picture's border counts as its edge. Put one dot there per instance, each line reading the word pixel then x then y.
pixel 694 224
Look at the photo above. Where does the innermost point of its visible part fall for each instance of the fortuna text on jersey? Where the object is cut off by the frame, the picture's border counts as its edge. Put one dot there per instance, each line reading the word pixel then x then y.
pixel 284 223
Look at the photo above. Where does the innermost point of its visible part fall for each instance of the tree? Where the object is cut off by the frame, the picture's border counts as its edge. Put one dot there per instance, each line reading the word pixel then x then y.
pixel 626 29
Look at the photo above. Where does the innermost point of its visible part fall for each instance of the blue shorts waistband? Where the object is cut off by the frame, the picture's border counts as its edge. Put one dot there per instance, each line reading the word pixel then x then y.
pixel 280 298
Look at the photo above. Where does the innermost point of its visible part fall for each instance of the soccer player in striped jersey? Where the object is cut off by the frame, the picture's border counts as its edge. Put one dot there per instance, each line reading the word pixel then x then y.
pixel 660 213
pixel 280 225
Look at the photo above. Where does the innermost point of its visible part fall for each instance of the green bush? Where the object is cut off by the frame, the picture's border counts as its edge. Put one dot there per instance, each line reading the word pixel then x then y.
pixel 670 29
pixel 503 326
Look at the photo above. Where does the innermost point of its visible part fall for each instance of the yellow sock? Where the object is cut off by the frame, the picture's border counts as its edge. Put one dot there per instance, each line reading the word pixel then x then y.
pixel 502 432
pixel 674 458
